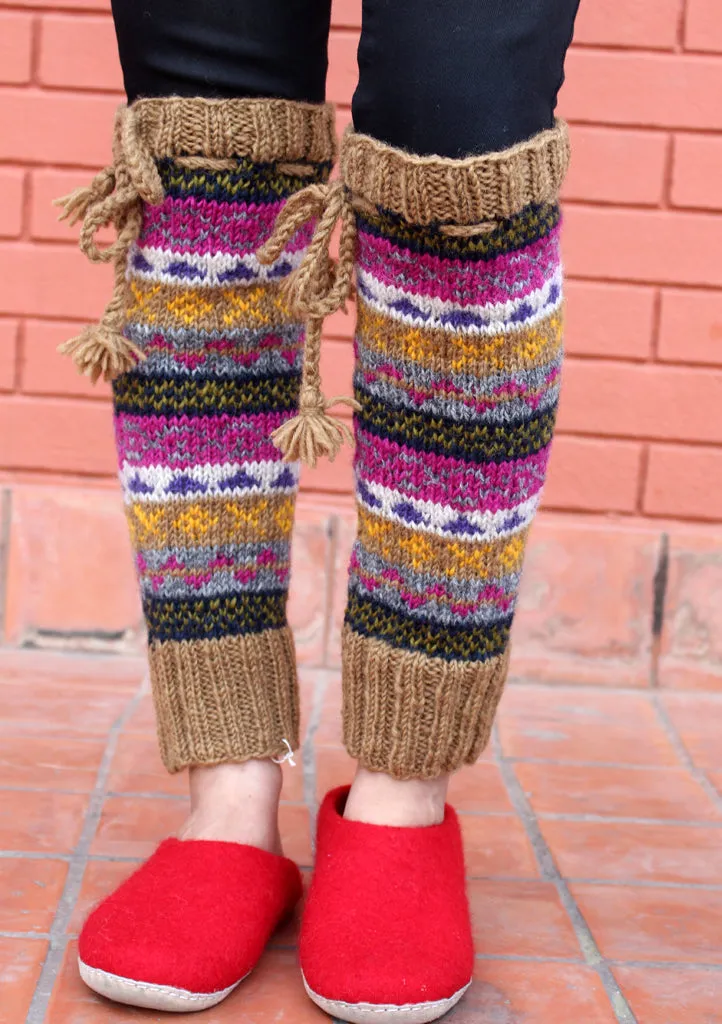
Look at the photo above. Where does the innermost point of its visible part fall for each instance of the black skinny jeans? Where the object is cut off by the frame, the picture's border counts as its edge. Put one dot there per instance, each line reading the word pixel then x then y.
pixel 451 77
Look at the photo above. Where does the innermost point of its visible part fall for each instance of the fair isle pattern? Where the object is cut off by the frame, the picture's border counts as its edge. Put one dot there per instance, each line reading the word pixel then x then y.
pixel 459 350
pixel 209 500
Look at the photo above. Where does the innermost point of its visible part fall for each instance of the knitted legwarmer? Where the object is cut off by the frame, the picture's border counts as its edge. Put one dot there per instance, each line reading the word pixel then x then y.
pixel 459 349
pixel 216 352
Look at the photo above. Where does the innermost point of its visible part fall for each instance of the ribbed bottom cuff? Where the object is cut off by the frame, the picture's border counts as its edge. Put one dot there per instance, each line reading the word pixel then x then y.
pixel 231 699
pixel 412 716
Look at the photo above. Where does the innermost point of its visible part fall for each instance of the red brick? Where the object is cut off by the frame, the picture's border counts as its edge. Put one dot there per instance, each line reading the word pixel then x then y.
pixel 648 24
pixel 67 435
pixel 334 477
pixel 654 89
pixel 66 544
pixel 16 43
pixel 691 326
pixel 52 280
pixel 697 171
pixel 346 13
pixel 47 184
pixel 681 482
pixel 343 69
pixel 337 371
pixel 55 127
pixel 643 245
pixel 665 402
pixel 703 29
pixel 44 372
pixel 8 352
pixel 80 5
pixel 12 184
pixel 79 52
pixel 609 319
pixel 593 475
pixel 616 166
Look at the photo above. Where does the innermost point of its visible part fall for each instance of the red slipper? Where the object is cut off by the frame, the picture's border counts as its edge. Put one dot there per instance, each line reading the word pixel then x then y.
pixel 188 926
pixel 386 933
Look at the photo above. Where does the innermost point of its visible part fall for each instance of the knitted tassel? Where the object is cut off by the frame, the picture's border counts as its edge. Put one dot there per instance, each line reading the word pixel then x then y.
pixel 113 197
pixel 318 287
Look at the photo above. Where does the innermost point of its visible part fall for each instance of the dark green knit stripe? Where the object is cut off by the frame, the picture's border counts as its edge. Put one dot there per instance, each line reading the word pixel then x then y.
pixel 202 396
pixel 215 617
pixel 453 643
pixel 248 182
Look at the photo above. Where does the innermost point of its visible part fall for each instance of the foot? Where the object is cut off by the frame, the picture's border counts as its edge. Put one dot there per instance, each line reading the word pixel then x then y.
pixel 379 799
pixel 397 897
pixel 236 803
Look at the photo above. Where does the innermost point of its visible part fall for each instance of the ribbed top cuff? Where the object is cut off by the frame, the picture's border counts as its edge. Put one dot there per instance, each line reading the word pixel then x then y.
pixel 263 130
pixel 438 190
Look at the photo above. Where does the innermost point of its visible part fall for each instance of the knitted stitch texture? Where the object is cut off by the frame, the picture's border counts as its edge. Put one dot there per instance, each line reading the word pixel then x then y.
pixel 459 352
pixel 209 501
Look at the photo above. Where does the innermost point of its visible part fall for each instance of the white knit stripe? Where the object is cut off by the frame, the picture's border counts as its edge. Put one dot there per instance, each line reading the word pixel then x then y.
pixel 496 318
pixel 206 270
pixel 161 484
pixel 442 520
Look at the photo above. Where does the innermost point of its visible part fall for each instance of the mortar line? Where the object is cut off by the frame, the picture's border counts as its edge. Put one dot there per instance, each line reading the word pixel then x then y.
pixel 78 861
pixel 551 873
pixel 680 749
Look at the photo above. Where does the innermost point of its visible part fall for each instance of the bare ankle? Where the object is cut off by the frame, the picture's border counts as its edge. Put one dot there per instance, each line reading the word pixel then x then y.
pixel 235 802
pixel 379 799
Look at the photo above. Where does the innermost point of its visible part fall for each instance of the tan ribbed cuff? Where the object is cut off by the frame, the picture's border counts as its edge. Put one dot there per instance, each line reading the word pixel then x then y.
pixel 264 130
pixel 230 699
pixel 433 189
pixel 413 716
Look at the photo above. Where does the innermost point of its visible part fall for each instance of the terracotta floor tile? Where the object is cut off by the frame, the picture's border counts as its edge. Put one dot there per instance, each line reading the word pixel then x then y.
pixel 133 826
pixel 295 828
pixel 666 996
pixel 497 846
pixel 564 724
pixel 143 718
pixel 60 669
pixel 715 777
pixel 29 893
pixel 620 792
pixel 624 851
pixel 310 591
pixel 273 993
pixel 328 732
pixel 137 768
pixel 520 919
pixel 20 963
pixel 479 788
pixel 40 821
pixel 100 878
pixel 59 710
pixel 334 768
pixel 698 719
pixel 47 762
pixel 533 993
pixel 654 924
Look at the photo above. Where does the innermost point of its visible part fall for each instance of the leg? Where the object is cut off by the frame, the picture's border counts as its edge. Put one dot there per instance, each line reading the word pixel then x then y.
pixel 459 349
pixel 205 356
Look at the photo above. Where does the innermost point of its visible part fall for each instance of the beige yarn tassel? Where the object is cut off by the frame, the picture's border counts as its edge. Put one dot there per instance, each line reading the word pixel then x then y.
pixel 115 197
pixel 318 287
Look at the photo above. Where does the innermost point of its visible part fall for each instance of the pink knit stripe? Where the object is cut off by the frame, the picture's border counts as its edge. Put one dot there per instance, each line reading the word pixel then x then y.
pixel 491 487
pixel 461 281
pixel 199 226
pixel 181 441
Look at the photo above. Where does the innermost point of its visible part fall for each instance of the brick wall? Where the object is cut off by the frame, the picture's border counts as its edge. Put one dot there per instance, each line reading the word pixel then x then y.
pixel 640 429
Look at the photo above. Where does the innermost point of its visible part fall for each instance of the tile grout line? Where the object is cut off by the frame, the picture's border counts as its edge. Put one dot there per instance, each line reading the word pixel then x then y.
pixel 550 872
pixel 78 861
pixel 680 749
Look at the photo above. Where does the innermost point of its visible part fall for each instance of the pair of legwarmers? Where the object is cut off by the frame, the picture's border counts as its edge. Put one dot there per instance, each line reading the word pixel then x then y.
pixel 458 353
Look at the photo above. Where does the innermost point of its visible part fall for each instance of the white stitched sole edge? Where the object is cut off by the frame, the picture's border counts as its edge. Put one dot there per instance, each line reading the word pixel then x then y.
pixel 378 1013
pixel 147 995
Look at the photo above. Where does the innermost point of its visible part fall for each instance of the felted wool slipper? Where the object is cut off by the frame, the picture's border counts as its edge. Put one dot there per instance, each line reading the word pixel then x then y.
pixel 386 934
pixel 188 926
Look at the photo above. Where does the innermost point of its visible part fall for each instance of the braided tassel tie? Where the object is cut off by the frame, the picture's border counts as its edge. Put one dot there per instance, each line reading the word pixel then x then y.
pixel 114 196
pixel 318 287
